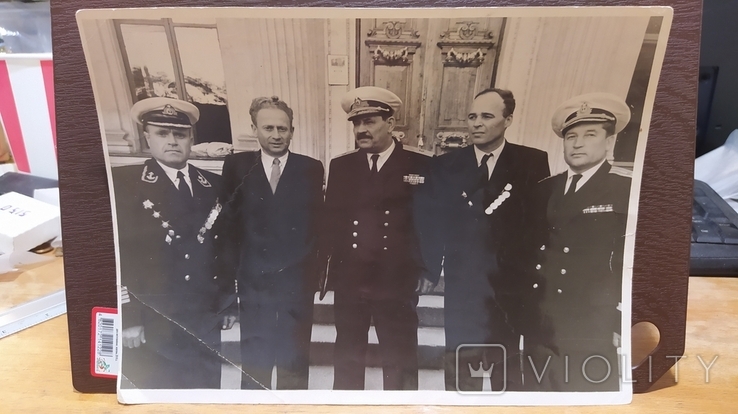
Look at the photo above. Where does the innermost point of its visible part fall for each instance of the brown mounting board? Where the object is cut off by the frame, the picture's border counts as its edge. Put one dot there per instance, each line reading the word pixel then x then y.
pixel 660 276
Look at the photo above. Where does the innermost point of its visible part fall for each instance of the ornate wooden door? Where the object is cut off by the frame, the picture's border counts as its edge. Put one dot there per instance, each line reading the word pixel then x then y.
pixel 435 66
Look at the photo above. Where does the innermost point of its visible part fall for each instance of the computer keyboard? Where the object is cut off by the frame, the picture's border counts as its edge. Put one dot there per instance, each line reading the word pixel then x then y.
pixel 714 250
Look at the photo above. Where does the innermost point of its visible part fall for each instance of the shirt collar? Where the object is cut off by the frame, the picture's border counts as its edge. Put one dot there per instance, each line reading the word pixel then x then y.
pixel 172 172
pixel 495 153
pixel 267 160
pixel 383 156
pixel 586 175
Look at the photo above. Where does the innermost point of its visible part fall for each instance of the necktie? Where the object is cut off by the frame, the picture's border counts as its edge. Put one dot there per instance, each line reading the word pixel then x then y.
pixel 274 178
pixel 375 159
pixel 484 168
pixel 573 186
pixel 182 187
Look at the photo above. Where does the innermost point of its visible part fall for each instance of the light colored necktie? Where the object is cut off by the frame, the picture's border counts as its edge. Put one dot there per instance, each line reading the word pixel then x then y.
pixel 274 177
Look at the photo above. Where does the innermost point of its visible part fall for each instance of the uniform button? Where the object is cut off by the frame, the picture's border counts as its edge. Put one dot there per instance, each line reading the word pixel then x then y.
pixel 566 250
pixel 354 245
pixel 563 271
pixel 356 234
pixel 384 237
pixel 558 290
pixel 356 223
pixel 187 277
pixel 543 247
pixel 538 267
pixel 385 248
pixel 215 277
pixel 178 237
pixel 535 286
pixel 386 224
pixel 386 212
pixel 187 256
pixel 215 237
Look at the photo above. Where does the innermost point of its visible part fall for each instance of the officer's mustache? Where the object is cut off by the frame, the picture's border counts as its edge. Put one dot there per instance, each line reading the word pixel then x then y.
pixel 363 135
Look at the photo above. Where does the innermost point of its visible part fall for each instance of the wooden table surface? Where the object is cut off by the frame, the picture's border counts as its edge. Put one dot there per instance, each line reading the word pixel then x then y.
pixel 35 369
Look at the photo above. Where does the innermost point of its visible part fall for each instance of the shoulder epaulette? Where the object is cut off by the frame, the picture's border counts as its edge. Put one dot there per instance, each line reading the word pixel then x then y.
pixel 550 177
pixel 623 172
pixel 418 150
pixel 347 153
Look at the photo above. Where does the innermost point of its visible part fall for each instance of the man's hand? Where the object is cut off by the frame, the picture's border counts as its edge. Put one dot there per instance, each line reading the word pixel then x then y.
pixel 425 286
pixel 133 337
pixel 228 321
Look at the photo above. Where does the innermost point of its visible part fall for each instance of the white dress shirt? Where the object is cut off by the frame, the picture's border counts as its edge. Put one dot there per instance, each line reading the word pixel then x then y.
pixel 585 176
pixel 172 174
pixel 492 161
pixel 383 156
pixel 268 160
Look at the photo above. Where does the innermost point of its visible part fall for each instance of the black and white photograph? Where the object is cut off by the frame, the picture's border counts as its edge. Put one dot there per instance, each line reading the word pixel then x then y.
pixel 375 206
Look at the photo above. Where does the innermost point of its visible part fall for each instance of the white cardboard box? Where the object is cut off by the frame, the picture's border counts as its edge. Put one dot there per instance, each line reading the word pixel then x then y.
pixel 25 222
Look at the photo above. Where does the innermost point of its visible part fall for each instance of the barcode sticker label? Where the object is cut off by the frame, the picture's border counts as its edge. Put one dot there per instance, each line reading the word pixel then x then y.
pixel 104 343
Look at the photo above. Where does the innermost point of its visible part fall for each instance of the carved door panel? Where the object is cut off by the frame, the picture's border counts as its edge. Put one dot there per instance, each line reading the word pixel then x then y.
pixel 435 66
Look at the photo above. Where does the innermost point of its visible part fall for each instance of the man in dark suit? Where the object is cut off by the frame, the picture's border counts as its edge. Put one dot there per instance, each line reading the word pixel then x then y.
pixel 370 239
pixel 473 226
pixel 582 258
pixel 269 224
pixel 165 210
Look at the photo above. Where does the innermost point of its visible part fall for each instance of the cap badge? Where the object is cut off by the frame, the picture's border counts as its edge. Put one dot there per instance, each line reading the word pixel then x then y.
pixel 359 103
pixel 584 110
pixel 169 110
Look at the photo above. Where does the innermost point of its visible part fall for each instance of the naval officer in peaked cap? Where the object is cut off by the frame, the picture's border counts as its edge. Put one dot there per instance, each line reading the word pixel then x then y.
pixel 370 243
pixel 165 211
pixel 581 254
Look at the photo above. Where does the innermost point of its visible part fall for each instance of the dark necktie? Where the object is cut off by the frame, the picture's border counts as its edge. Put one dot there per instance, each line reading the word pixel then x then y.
pixel 375 159
pixel 484 168
pixel 183 188
pixel 573 186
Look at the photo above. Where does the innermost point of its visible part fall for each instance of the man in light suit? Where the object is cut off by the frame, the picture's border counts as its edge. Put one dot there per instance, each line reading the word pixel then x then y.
pixel 269 226
pixel 581 259
pixel 473 219
pixel 169 290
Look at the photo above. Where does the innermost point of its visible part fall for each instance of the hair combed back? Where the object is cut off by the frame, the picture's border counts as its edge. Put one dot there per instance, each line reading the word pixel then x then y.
pixel 263 102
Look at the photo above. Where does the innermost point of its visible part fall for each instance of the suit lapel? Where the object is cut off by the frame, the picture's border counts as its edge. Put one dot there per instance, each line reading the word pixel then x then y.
pixel 566 209
pixel 501 175
pixel 466 169
pixel 161 181
pixel 288 176
pixel 258 178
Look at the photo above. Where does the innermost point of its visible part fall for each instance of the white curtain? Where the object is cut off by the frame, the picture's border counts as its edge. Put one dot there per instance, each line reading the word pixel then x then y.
pixel 282 57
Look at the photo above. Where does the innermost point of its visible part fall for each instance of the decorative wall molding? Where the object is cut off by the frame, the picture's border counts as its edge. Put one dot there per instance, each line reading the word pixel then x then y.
pixel 454 58
pixel 452 139
pixel 393 30
pixel 389 57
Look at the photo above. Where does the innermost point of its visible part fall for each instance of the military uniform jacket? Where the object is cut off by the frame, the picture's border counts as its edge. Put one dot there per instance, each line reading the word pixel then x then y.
pixel 166 255
pixel 582 260
pixel 368 223
pixel 483 254
pixel 265 232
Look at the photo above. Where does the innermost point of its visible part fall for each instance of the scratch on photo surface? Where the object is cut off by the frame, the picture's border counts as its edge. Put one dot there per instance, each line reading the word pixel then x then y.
pixel 215 351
